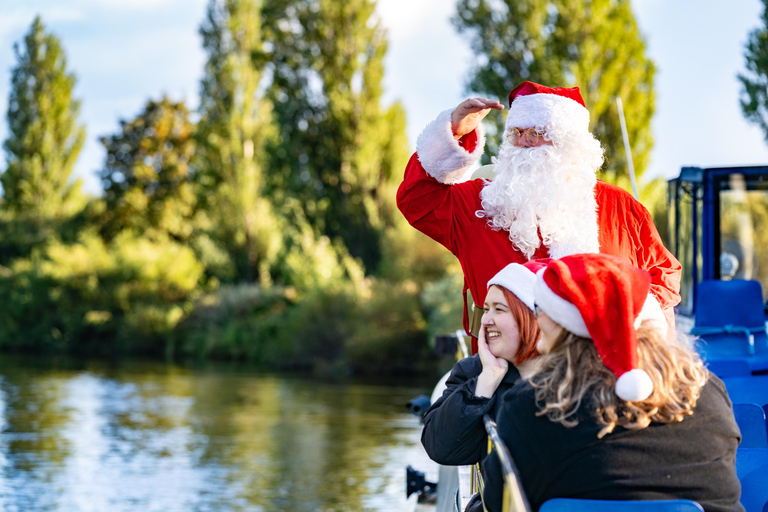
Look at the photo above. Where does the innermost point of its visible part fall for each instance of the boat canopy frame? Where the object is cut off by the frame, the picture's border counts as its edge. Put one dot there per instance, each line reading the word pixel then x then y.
pixel 695 218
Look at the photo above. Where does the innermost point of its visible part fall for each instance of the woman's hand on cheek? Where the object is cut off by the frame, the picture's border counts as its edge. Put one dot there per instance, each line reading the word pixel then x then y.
pixel 494 368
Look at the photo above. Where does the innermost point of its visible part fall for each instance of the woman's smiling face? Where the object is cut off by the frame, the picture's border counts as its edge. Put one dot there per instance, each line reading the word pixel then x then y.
pixel 501 330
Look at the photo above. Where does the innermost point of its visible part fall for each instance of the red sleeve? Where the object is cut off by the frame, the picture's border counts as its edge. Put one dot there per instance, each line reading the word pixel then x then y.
pixel 436 208
pixel 652 256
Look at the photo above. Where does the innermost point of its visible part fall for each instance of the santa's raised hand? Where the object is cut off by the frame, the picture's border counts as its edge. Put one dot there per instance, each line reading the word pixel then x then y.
pixel 469 113
pixel 494 368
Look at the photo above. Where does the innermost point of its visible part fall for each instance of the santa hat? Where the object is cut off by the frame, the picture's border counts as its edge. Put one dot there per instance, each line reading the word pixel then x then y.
pixel 599 296
pixel 520 279
pixel 553 109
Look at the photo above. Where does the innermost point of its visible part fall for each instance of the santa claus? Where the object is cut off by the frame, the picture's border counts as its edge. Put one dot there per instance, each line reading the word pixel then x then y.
pixel 544 199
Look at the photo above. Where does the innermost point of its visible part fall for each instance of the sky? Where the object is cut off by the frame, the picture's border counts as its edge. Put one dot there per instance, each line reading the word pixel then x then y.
pixel 124 52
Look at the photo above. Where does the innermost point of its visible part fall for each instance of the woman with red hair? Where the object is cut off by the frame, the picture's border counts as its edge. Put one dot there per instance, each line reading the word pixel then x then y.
pixel 454 433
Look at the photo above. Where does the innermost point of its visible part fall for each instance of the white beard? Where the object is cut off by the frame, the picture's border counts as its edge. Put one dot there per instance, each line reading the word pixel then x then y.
pixel 548 190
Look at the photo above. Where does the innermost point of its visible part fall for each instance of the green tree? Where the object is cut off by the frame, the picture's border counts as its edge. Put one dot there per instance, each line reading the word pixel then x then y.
pixel 45 139
pixel 568 43
pixel 754 94
pixel 338 151
pixel 235 124
pixel 146 178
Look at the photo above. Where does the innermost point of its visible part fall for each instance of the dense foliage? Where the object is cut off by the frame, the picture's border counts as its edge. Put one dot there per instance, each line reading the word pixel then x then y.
pixel 339 153
pixel 147 180
pixel 43 144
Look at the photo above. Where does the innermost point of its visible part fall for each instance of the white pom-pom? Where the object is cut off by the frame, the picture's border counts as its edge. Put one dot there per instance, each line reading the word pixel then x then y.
pixel 634 386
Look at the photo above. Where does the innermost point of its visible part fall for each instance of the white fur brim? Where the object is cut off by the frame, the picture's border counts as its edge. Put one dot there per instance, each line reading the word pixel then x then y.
pixel 559 309
pixel 518 280
pixel 652 313
pixel 634 386
pixel 549 112
pixel 440 153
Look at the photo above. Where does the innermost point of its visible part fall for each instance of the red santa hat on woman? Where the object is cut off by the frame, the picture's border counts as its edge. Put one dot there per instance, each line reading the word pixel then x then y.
pixel 599 296
pixel 551 109
pixel 520 279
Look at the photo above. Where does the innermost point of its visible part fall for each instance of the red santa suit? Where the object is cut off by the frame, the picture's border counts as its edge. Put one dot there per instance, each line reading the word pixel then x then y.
pixel 445 210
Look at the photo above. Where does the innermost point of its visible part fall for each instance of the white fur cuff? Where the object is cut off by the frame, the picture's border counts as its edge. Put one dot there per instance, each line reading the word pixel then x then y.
pixel 440 154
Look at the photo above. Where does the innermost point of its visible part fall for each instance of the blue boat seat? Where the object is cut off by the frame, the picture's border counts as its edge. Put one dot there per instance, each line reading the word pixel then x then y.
pixel 575 505
pixel 751 421
pixel 730 320
pixel 752 389
pixel 752 469
pixel 729 367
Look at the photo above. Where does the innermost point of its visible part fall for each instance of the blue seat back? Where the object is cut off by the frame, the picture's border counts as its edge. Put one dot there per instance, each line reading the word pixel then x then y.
pixel 735 302
pixel 726 313
pixel 745 390
pixel 751 421
pixel 729 367
pixel 574 505
pixel 752 468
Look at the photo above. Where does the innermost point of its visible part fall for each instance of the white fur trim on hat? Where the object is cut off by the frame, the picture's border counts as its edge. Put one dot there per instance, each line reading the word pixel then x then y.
pixel 652 312
pixel 634 386
pixel 440 153
pixel 548 111
pixel 559 309
pixel 518 280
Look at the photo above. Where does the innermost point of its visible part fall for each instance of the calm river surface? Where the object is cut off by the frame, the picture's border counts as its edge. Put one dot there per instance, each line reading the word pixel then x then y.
pixel 152 437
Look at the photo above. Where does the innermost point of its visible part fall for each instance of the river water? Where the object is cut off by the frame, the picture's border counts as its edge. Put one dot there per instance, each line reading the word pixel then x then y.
pixel 152 437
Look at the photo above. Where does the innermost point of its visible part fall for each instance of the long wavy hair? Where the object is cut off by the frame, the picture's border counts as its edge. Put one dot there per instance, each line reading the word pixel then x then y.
pixel 526 325
pixel 573 374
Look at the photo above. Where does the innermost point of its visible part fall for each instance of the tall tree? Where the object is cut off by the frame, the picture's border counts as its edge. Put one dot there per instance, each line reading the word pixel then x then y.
pixel 754 95
pixel 235 124
pixel 593 44
pixel 338 149
pixel 45 138
pixel 146 177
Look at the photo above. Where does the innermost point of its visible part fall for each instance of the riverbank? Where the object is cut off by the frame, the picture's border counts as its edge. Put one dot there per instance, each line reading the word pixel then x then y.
pixel 368 327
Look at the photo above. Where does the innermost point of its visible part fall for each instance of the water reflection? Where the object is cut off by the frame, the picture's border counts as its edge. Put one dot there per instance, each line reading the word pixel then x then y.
pixel 165 438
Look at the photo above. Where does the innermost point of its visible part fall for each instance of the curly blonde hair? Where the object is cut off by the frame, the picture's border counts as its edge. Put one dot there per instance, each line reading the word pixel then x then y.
pixel 573 371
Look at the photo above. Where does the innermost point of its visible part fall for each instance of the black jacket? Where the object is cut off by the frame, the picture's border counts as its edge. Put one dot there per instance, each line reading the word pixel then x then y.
pixel 454 434
pixel 693 459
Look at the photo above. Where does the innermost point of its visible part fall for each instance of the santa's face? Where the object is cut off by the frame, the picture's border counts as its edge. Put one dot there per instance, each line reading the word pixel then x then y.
pixel 546 194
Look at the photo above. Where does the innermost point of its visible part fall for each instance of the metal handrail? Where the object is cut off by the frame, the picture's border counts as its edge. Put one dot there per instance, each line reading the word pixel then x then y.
pixel 463 350
pixel 514 499
pixel 749 332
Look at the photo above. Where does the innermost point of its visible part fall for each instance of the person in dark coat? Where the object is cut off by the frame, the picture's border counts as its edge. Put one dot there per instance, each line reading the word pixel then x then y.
pixel 613 410
pixel 454 433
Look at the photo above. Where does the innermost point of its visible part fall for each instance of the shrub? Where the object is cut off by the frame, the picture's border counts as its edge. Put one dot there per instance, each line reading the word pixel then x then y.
pixel 235 322
pixel 89 297
pixel 388 331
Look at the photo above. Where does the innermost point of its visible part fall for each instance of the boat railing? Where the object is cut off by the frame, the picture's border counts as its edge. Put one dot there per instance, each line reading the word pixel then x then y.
pixel 513 499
